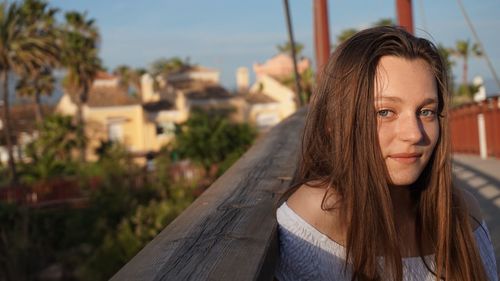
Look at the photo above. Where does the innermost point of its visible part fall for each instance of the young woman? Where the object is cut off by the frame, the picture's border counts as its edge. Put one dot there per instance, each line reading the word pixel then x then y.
pixel 373 197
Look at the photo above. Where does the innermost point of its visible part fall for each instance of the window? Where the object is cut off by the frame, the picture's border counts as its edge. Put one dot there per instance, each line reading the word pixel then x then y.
pixel 115 131
pixel 165 129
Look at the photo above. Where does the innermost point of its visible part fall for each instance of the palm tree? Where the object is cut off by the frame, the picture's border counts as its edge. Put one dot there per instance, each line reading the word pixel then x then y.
pixel 80 58
pixel 167 66
pixel 343 36
pixel 40 83
pixel 445 55
pixel 130 77
pixel 23 49
pixel 346 34
pixel 384 22
pixel 52 151
pixel 463 50
pixel 349 32
pixel 287 48
pixel 40 80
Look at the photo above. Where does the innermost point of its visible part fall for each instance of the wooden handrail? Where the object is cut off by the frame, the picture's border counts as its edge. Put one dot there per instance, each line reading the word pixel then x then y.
pixel 229 232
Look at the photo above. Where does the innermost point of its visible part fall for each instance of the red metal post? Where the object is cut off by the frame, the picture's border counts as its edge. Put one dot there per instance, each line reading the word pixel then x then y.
pixel 496 124
pixel 405 14
pixel 493 128
pixel 321 34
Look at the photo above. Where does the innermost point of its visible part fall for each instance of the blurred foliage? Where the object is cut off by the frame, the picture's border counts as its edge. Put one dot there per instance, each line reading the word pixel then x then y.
pixel 209 138
pixel 349 32
pixel 123 213
pixel 167 66
pixel 52 152
pixel 120 205
pixel 306 83
pixel 463 50
pixel 286 48
pixel 449 63
pixel 126 205
pixel 346 34
pixel 384 22
pixel 130 79
pixel 464 94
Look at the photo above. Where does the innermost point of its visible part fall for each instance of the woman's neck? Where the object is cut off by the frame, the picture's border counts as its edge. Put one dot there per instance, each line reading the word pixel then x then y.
pixel 403 203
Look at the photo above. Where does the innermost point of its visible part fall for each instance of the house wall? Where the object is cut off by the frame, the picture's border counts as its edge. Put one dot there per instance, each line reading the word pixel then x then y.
pixel 280 66
pixel 129 124
pixel 113 82
pixel 282 94
pixel 129 119
pixel 66 106
pixel 204 75
pixel 140 128
pixel 147 89
pixel 242 79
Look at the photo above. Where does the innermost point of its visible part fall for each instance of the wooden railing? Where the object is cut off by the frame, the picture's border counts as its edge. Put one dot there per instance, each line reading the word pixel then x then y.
pixel 229 232
pixel 475 128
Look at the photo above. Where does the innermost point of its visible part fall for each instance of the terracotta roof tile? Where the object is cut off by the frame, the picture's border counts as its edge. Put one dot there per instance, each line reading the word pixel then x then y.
pixel 23 118
pixel 101 75
pixel 195 89
pixel 256 98
pixel 101 96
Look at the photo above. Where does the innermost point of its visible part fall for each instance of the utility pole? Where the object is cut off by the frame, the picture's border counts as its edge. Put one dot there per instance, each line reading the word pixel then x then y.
pixel 301 100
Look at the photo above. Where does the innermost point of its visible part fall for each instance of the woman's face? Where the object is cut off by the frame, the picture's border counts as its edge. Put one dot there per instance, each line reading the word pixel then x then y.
pixel 406 103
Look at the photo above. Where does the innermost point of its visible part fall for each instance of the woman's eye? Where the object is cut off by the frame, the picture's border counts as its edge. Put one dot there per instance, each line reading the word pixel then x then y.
pixel 427 112
pixel 384 113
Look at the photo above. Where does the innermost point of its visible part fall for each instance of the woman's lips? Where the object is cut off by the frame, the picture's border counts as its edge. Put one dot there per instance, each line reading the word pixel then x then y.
pixel 406 158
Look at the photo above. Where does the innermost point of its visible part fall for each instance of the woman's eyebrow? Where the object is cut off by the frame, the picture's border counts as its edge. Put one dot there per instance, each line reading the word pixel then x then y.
pixel 389 98
pixel 427 101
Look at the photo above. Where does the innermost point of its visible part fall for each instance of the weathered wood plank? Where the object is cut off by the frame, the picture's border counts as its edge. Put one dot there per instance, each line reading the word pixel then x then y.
pixel 229 232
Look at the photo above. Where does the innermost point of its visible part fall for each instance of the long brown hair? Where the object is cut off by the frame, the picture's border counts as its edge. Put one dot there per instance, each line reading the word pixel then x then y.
pixel 340 149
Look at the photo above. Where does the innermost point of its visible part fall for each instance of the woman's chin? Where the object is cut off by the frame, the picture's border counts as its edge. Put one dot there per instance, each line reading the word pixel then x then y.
pixel 403 180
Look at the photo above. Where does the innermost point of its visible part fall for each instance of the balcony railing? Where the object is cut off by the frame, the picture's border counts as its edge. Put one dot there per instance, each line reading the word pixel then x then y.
pixel 475 128
pixel 229 232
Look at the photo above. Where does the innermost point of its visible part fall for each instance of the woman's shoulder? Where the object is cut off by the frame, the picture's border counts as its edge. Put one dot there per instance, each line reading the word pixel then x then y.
pixel 473 208
pixel 307 203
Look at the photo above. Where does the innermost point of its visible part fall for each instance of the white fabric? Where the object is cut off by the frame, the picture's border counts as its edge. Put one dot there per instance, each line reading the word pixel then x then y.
pixel 307 254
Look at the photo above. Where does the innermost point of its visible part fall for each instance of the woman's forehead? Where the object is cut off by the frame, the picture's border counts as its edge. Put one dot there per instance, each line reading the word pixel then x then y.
pixel 401 78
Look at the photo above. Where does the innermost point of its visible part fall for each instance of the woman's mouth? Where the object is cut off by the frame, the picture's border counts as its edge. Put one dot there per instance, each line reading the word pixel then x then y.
pixel 406 158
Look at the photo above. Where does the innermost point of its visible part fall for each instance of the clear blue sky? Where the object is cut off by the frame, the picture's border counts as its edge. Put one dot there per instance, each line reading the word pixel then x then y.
pixel 226 34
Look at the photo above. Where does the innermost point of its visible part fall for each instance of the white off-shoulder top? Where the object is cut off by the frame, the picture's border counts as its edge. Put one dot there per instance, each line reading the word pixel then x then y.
pixel 308 254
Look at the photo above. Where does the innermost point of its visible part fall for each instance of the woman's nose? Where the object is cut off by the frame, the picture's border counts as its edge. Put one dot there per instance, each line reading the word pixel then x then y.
pixel 411 129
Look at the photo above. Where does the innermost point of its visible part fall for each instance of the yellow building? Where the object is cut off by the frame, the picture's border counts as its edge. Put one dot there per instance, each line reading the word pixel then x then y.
pixel 112 114
pixel 279 102
pixel 280 66
pixel 146 122
pixel 266 103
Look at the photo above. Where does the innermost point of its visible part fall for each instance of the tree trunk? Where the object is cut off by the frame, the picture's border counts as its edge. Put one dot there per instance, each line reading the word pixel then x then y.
pixel 464 77
pixel 465 69
pixel 4 76
pixel 38 108
pixel 82 100
pixel 80 127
